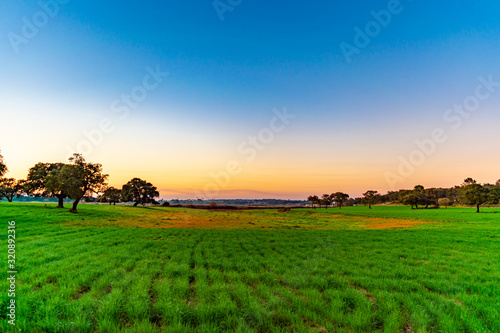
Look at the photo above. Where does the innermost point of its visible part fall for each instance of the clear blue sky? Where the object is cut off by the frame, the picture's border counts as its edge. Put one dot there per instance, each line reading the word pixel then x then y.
pixel 225 77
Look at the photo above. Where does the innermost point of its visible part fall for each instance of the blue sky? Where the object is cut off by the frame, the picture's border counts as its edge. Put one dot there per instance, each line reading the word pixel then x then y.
pixel 225 78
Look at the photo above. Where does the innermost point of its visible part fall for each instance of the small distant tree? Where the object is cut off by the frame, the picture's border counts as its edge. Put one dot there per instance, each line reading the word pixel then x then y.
pixel 418 188
pixel 10 188
pixel 111 195
pixel 476 194
pixel 419 196
pixel 411 200
pixel 314 200
pixel 326 200
pixel 469 181
pixel 340 198
pixel 140 192
pixel 43 180
pixel 3 167
pixel 371 197
pixel 80 178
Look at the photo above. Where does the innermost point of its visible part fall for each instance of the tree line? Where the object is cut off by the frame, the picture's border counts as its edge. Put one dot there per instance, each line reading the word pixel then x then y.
pixel 75 180
pixel 79 179
pixel 470 193
pixel 337 198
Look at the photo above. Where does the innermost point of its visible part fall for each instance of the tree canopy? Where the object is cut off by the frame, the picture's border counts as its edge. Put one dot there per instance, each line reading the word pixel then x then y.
pixel 420 196
pixel 476 194
pixel 371 197
pixel 3 167
pixel 326 200
pixel 314 200
pixel 140 192
pixel 111 195
pixel 80 178
pixel 10 188
pixel 43 180
pixel 340 198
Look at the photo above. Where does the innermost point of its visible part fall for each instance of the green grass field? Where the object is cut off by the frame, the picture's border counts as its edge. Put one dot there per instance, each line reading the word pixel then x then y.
pixel 126 269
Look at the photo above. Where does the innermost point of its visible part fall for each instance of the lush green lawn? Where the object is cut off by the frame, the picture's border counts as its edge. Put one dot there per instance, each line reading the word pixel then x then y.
pixel 308 270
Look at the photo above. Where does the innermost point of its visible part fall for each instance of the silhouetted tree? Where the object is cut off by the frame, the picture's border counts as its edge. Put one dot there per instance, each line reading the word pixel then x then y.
pixel 469 181
pixel 111 195
pixel 314 200
pixel 3 167
pixel 139 191
pixel 326 200
pixel 43 180
pixel 80 178
pixel 419 196
pixel 339 198
pixel 371 197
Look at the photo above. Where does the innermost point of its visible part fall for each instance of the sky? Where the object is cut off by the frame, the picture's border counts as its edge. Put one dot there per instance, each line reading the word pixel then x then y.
pixel 251 99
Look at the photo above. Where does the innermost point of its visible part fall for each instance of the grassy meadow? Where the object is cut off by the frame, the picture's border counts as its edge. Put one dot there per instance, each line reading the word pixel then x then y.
pixel 126 269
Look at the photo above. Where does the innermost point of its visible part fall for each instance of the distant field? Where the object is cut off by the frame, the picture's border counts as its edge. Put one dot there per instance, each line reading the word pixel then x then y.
pixel 126 269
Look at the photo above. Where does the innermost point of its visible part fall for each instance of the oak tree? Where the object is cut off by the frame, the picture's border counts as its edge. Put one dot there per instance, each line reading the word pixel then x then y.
pixel 371 197
pixel 43 180
pixel 111 195
pixel 340 198
pixel 140 192
pixel 10 188
pixel 80 178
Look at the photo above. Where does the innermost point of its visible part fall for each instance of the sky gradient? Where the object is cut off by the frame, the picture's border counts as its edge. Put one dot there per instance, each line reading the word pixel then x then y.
pixel 352 121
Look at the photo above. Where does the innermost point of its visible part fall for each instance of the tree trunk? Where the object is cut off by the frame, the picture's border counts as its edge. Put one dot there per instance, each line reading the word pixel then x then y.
pixel 75 204
pixel 110 203
pixel 60 203
pixel 136 203
pixel 369 206
pixel 9 198
pixel 477 208
pixel 114 203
